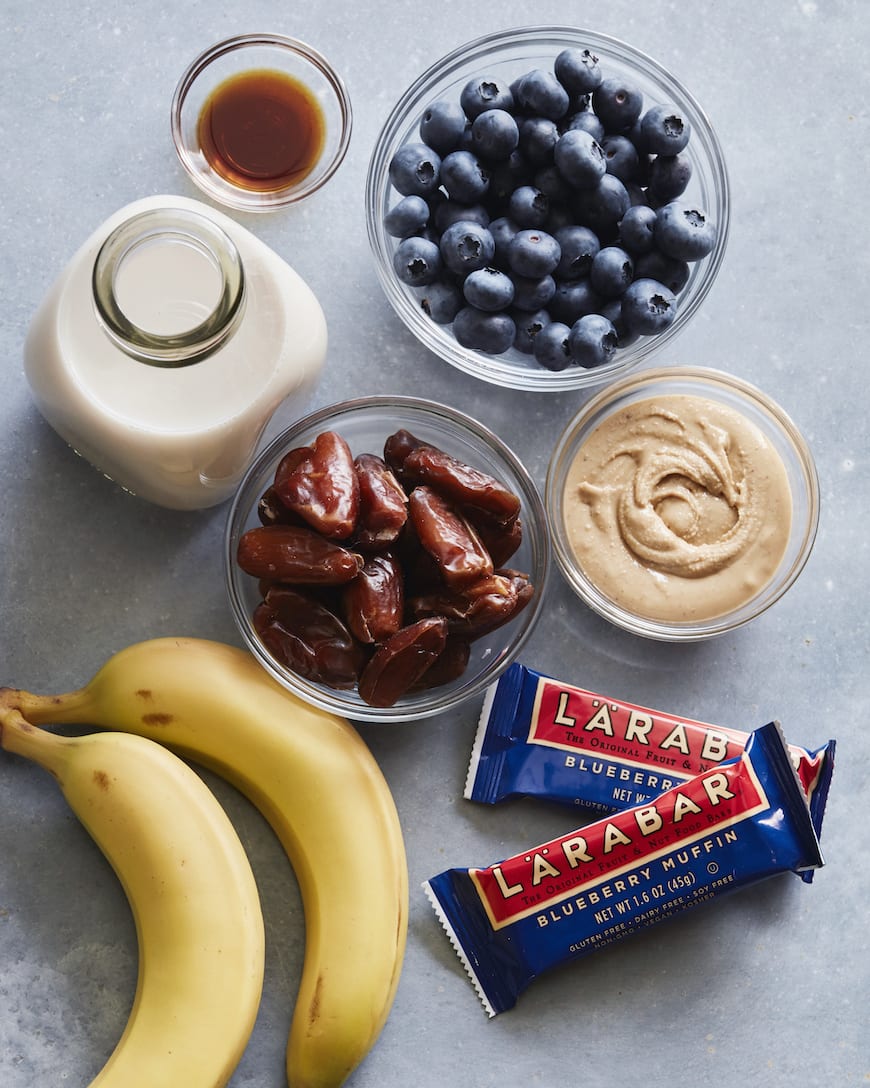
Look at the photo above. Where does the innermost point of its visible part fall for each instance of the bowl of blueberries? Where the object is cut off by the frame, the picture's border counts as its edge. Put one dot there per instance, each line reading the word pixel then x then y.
pixel 547 208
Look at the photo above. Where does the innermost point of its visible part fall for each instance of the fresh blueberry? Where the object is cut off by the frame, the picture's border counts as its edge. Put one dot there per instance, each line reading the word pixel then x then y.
pixel 417 261
pixel 551 347
pixel 664 130
pixel 537 138
pixel 550 181
pixel 592 341
pixel 577 70
pixel 579 245
pixel 602 206
pixel 442 125
pixel 528 326
pixel 541 93
pixel 488 289
pixel 621 157
pixel 669 177
pixel 684 231
pixel 612 271
pixel 494 135
pixel 532 294
pixel 409 216
pixel 533 253
pixel 442 301
pixel 618 103
pixel 674 274
pixel 560 216
pixel 492 333
pixel 505 176
pixel 466 246
pixel 485 93
pixel 648 307
pixel 587 121
pixel 464 177
pixel 612 310
pixel 636 229
pixel 449 212
pixel 529 207
pixel 573 299
pixel 502 230
pixel 415 169
pixel 580 159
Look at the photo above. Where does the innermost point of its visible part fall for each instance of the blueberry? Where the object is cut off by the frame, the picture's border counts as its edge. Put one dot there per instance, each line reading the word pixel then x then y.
pixel 528 326
pixel 602 206
pixel 532 294
pixel 636 229
pixel 409 216
pixel 485 93
pixel 560 217
pixel 540 92
pixel 612 310
pixel 537 138
pixel 449 212
pixel 572 299
pixel 417 261
pixel 684 231
pixel 655 265
pixel 579 245
pixel 533 253
pixel 551 182
pixel 466 246
pixel 551 347
pixel 415 169
pixel 577 70
pixel 580 159
pixel 664 130
pixel 592 341
pixel 621 157
pixel 612 271
pixel 464 177
pixel 669 177
pixel 481 331
pixel 442 126
pixel 442 301
pixel 488 289
pixel 618 103
pixel 494 135
pixel 528 206
pixel 502 230
pixel 587 121
pixel 648 307
pixel 505 176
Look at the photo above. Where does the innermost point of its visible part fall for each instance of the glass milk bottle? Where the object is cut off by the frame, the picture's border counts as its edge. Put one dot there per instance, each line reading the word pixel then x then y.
pixel 166 345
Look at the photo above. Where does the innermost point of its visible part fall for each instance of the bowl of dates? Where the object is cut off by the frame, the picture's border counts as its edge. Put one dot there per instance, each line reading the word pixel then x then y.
pixel 386 558
pixel 547 208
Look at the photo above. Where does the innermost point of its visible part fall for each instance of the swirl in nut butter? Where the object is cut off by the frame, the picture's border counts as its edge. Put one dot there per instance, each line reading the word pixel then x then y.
pixel 678 508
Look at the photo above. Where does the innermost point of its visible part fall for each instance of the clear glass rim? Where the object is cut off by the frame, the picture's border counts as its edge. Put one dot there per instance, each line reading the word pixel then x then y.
pixel 436 702
pixel 191 345
pixel 488 368
pixel 224 191
pixel 594 410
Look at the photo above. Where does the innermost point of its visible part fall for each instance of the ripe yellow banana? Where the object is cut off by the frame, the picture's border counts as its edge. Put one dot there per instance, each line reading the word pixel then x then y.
pixel 194 900
pixel 316 782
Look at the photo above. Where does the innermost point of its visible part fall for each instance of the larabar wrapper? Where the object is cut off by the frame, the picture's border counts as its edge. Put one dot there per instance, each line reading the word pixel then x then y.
pixel 730 826
pixel 540 737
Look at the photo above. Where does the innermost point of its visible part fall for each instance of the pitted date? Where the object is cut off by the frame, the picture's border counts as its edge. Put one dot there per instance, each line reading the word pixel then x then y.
pixel 383 504
pixel 401 662
pixel 501 541
pixel 482 607
pixel 448 537
pixel 295 554
pixel 322 487
pixel 374 602
pixel 461 484
pixel 396 449
pixel 448 666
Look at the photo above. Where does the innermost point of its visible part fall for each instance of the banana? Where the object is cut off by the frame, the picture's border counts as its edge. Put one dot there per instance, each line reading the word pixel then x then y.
pixel 192 893
pixel 316 782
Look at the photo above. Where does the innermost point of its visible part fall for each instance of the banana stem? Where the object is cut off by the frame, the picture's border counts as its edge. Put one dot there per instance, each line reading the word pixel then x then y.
pixel 42 709
pixel 22 738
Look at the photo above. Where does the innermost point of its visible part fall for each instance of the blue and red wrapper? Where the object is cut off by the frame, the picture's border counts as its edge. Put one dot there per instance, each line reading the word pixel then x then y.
pixel 730 825
pixel 540 737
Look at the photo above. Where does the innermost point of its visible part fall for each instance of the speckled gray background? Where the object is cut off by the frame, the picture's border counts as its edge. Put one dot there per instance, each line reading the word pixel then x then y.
pixel 769 987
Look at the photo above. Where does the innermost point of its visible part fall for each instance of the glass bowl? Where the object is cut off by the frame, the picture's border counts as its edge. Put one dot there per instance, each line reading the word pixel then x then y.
pixel 505 56
pixel 365 423
pixel 313 87
pixel 650 488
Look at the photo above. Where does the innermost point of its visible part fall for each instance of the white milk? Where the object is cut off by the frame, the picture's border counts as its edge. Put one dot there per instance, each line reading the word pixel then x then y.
pixel 178 437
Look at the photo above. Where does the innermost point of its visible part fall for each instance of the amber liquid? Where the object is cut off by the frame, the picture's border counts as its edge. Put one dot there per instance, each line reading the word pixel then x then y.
pixel 262 130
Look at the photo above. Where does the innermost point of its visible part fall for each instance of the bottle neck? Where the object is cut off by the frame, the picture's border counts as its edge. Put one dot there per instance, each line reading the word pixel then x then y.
pixel 169 287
